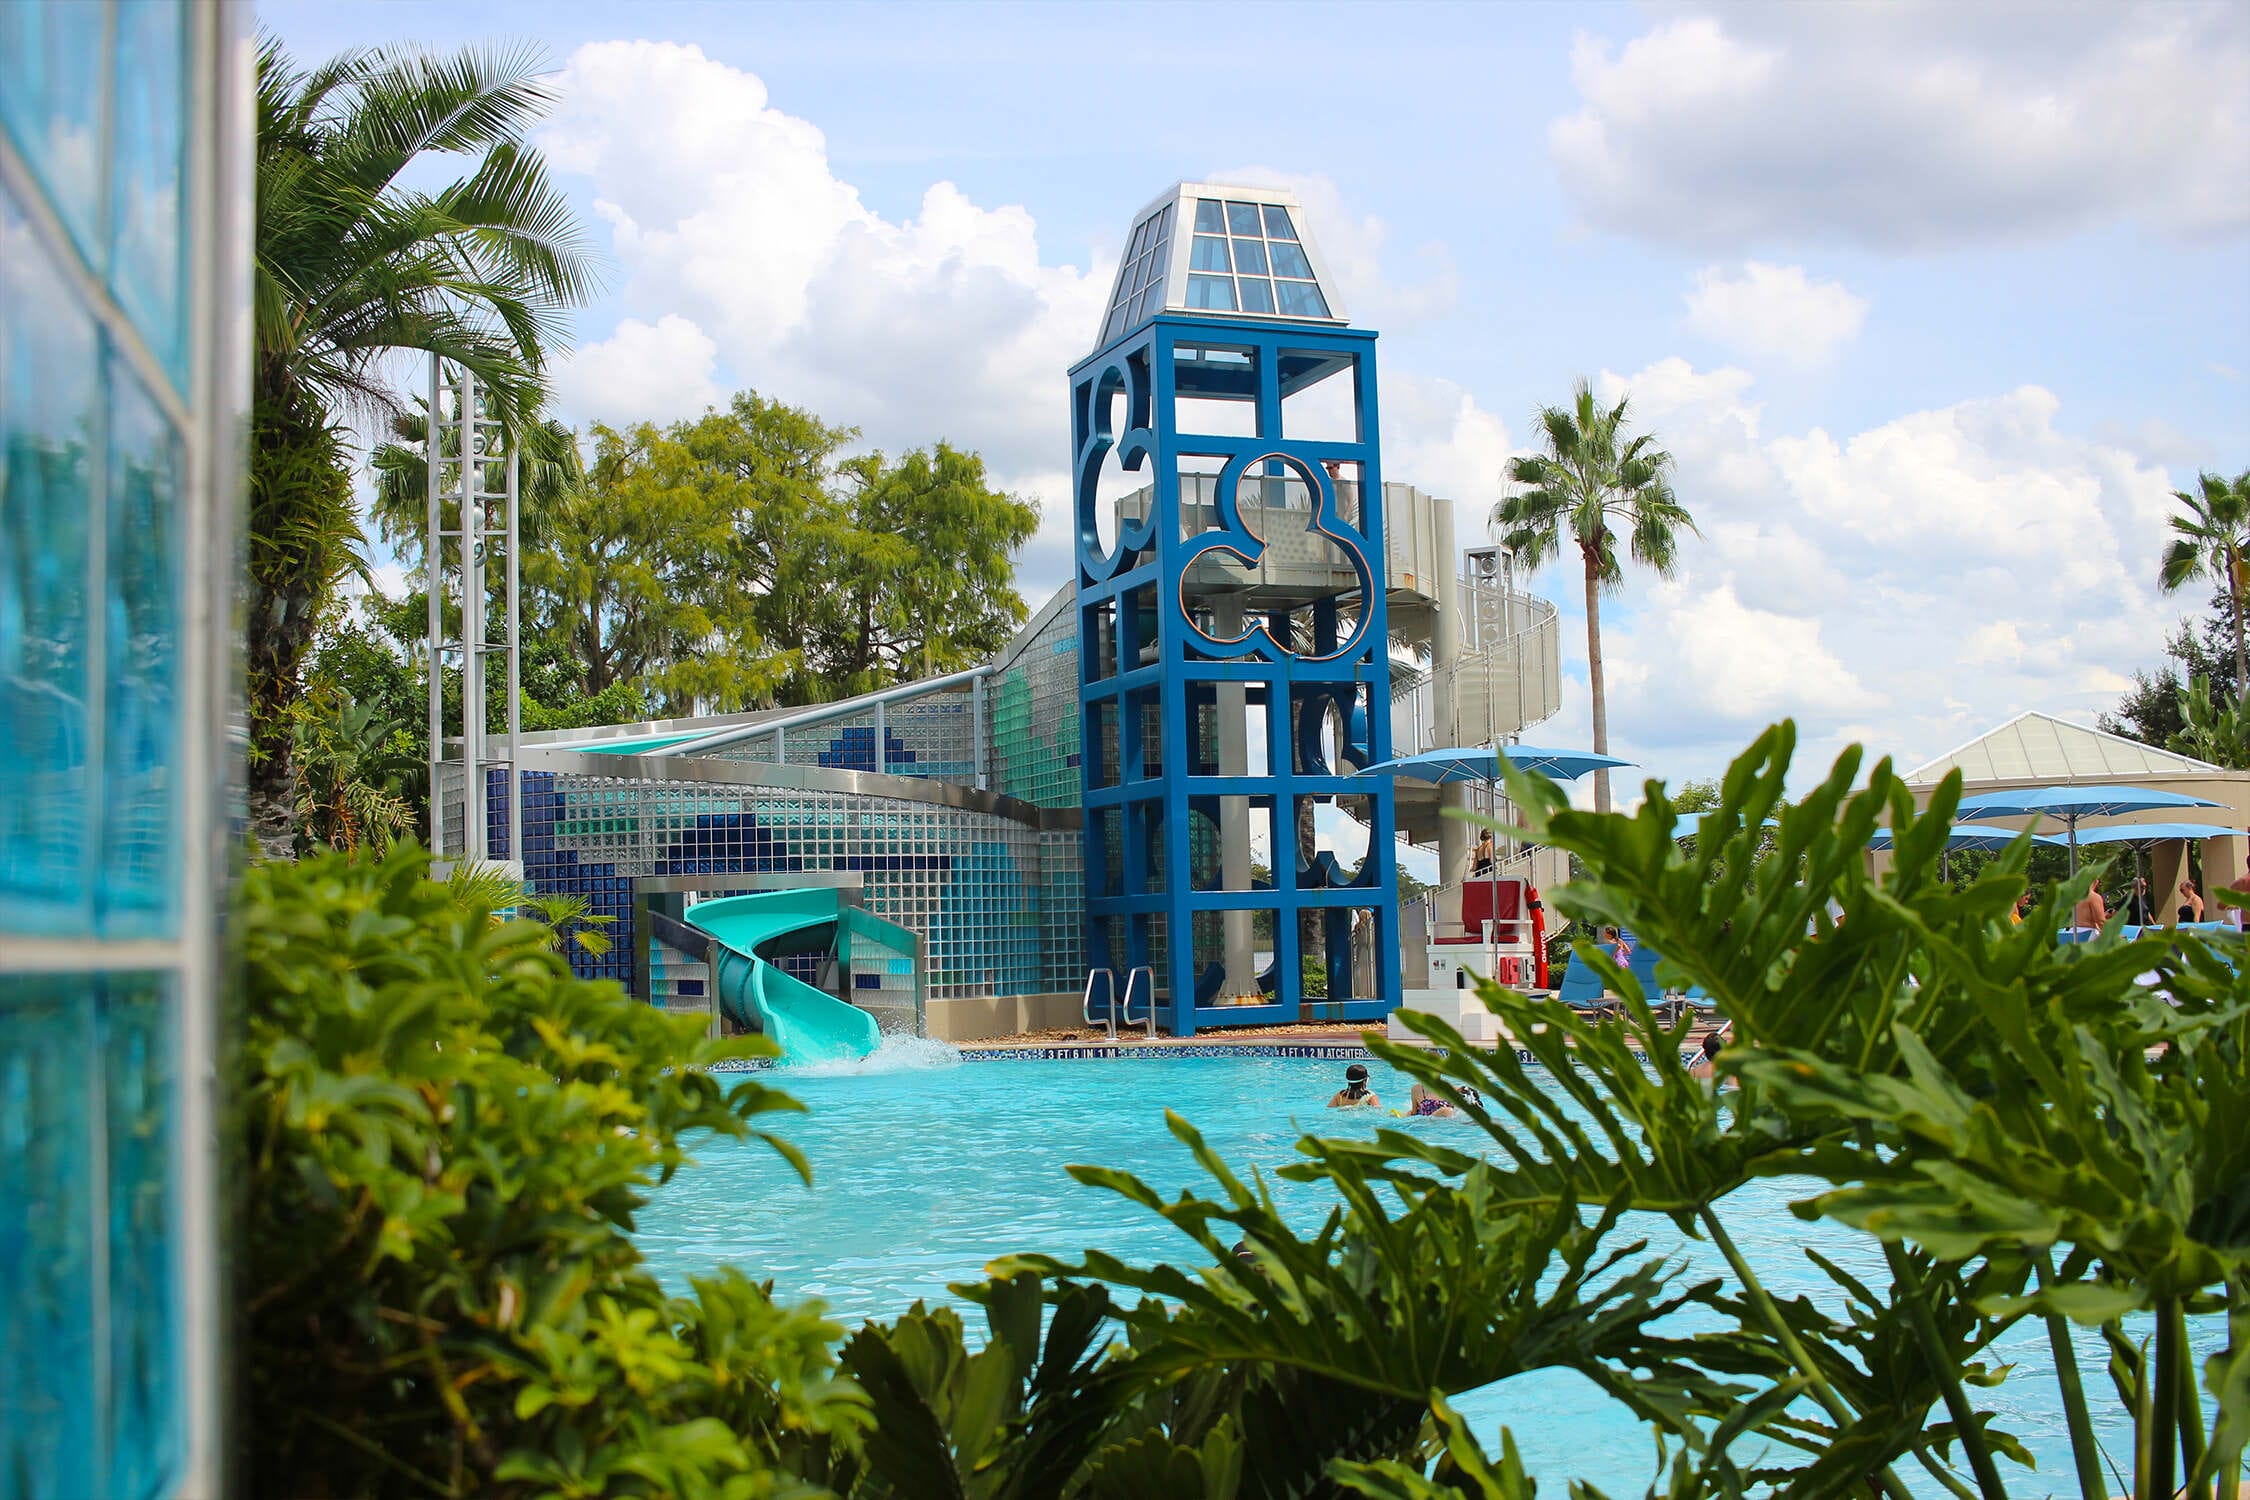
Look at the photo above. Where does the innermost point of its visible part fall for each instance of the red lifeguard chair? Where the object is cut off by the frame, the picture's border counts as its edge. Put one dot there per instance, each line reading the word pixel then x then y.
pixel 1488 925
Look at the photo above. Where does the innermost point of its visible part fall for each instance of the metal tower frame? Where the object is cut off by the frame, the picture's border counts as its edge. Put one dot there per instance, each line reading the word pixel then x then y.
pixel 1144 652
pixel 465 443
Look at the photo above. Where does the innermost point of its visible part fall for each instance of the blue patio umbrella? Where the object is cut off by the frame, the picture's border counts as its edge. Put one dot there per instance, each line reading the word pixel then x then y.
pixel 1969 836
pixel 2150 833
pixel 2070 803
pixel 1482 763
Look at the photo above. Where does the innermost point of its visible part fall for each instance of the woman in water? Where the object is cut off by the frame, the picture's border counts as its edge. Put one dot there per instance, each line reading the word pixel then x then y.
pixel 1355 1094
pixel 1426 1104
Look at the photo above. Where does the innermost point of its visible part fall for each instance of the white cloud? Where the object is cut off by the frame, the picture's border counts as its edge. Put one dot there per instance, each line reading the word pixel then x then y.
pixel 640 372
pixel 1775 310
pixel 1438 439
pixel 1909 126
pixel 731 227
pixel 748 262
pixel 1911 584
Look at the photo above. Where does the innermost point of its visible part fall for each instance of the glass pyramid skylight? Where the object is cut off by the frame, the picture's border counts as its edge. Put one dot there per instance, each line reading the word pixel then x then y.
pixel 1211 249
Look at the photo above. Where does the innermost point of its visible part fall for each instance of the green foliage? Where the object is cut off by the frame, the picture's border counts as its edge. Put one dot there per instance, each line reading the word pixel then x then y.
pixel 2212 729
pixel 446 1138
pixel 449 1138
pixel 304 542
pixel 736 559
pixel 574 921
pixel 352 264
pixel 906 570
pixel 652 575
pixel 2024 1130
pixel 356 773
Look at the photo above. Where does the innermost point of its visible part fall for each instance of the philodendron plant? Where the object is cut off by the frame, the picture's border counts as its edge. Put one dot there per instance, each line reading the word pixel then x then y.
pixel 2025 1130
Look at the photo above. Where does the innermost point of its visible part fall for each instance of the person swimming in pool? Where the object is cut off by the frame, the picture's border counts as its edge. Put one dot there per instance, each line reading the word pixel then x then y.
pixel 1424 1104
pixel 1706 1064
pixel 1355 1094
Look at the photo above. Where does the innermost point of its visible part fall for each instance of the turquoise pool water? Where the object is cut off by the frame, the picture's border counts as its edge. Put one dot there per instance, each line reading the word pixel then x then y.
pixel 926 1167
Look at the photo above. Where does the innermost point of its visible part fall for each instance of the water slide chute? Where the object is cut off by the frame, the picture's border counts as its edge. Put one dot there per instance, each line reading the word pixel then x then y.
pixel 747 933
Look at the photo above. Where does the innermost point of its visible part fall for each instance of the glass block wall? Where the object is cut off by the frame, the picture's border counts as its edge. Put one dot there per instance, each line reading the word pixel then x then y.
pixel 995 899
pixel 1032 711
pixel 123 282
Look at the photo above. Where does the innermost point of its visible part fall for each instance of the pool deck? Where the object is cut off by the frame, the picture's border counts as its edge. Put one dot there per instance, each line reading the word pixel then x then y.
pixel 1303 1039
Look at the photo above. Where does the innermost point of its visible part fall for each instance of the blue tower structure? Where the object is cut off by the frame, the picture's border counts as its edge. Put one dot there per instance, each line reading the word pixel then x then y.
pixel 1234 665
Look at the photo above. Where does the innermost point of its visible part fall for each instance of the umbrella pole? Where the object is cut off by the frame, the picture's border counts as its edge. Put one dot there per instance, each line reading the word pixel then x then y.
pixel 2070 825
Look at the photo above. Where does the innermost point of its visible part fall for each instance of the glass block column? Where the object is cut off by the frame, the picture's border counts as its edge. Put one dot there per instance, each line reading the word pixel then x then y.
pixel 124 189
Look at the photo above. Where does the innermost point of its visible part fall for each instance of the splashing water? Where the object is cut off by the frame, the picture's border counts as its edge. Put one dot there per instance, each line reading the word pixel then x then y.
pixel 896 1053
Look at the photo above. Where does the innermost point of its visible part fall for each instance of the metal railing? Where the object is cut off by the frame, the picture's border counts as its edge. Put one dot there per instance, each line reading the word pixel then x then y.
pixel 1130 978
pixel 1109 1009
pixel 822 713
pixel 1508 675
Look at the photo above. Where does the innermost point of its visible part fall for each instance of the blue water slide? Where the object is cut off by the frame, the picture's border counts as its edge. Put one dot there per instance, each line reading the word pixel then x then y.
pixel 748 932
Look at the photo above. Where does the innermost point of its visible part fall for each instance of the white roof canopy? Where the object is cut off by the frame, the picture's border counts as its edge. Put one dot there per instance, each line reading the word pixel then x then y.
pixel 1216 250
pixel 2041 747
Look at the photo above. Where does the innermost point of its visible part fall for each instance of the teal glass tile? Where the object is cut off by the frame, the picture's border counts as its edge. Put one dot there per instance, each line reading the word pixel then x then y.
pixel 143 1410
pixel 50 102
pixel 48 1295
pixel 49 393
pixel 136 892
pixel 148 233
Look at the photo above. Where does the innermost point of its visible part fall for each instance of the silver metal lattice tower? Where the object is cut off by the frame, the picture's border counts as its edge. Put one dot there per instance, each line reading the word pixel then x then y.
pixel 474 505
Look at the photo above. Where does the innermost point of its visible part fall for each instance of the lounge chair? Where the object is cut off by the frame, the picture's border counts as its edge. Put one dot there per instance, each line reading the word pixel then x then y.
pixel 1581 989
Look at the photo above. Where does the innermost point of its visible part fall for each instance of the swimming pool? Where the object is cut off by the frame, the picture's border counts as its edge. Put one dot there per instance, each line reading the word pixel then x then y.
pixel 926 1167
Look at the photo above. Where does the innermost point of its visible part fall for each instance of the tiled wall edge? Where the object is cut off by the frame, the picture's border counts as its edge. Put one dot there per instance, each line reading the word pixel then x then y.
pixel 1340 1051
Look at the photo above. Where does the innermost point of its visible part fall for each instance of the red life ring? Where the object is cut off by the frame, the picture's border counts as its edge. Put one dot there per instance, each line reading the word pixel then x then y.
pixel 1538 936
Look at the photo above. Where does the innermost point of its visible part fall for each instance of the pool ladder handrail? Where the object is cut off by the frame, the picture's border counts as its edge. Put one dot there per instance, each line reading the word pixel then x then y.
pixel 1109 1010
pixel 1128 1006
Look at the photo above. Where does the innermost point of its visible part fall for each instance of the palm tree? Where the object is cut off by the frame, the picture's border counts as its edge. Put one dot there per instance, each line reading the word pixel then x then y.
pixel 1591 484
pixel 2214 538
pixel 352 267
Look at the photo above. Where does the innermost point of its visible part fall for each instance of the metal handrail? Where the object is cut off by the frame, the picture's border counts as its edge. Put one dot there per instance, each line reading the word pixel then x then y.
pixel 1086 1001
pixel 1128 1007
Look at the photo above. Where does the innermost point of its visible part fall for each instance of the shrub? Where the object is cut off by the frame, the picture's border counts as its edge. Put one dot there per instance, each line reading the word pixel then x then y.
pixel 446 1137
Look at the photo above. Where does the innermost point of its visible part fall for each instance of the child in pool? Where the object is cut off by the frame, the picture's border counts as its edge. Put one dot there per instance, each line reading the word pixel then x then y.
pixel 1425 1104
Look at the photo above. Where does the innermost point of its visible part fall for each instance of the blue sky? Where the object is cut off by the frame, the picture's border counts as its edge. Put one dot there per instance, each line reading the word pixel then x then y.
pixel 1934 303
